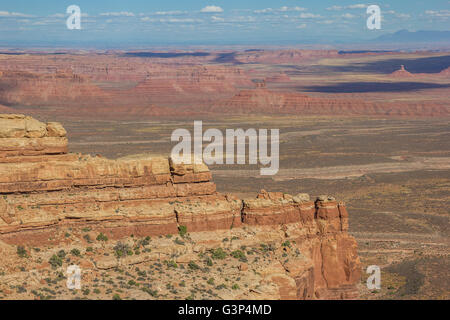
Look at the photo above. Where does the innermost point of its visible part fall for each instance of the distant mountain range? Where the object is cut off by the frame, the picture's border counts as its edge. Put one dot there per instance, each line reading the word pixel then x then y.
pixel 415 36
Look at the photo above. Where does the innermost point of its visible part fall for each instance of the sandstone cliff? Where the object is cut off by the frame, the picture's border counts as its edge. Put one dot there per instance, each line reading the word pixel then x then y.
pixel 44 189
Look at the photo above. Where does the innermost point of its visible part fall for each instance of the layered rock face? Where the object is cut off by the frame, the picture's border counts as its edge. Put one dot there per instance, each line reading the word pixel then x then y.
pixel 111 83
pixel 266 101
pixel 44 189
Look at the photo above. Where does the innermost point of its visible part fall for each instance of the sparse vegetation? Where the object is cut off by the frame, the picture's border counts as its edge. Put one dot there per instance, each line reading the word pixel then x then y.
pixel 21 252
pixel 218 254
pixel 55 261
pixel 182 230
pixel 102 237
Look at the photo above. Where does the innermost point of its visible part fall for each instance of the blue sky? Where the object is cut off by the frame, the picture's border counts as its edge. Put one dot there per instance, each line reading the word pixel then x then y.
pixel 147 22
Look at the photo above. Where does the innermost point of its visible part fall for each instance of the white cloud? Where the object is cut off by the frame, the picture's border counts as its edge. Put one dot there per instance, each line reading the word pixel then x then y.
pixel 438 13
pixel 172 13
pixel 326 22
pixel 352 6
pixel 335 8
pixel 148 19
pixel 118 14
pixel 14 14
pixel 302 26
pixel 282 9
pixel 211 9
pixel 217 19
pixel 403 15
pixel 357 6
pixel 176 20
pixel 348 16
pixel 57 15
pixel 267 10
pixel 310 16
pixel 171 20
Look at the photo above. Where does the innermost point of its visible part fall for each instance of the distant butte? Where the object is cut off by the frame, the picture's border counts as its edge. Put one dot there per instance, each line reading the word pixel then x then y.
pixel 402 73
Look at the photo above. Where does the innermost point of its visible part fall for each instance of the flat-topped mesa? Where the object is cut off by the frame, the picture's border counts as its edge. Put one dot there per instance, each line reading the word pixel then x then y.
pixel 44 190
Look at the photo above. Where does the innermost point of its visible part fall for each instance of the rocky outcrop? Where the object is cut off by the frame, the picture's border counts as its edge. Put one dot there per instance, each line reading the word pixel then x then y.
pixel 44 189
pixel 25 136
pixel 402 73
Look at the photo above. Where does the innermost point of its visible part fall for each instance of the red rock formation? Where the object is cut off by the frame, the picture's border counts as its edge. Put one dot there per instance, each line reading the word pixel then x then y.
pixel 164 84
pixel 265 101
pixel 402 73
pixel 43 189
pixel 59 89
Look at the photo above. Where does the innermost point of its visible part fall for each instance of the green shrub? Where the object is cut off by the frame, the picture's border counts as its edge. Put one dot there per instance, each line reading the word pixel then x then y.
pixel 182 230
pixel 75 252
pixel 287 243
pixel 116 297
pixel 102 237
pixel 55 261
pixel 238 254
pixel 22 252
pixel 172 264
pixel 61 254
pixel 192 265
pixel 218 254
pixel 235 286
pixel 122 249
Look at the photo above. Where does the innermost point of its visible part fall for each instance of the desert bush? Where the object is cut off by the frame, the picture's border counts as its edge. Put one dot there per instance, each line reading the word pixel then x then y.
pixel 182 230
pixel 102 237
pixel 22 252
pixel 218 254
pixel 55 261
